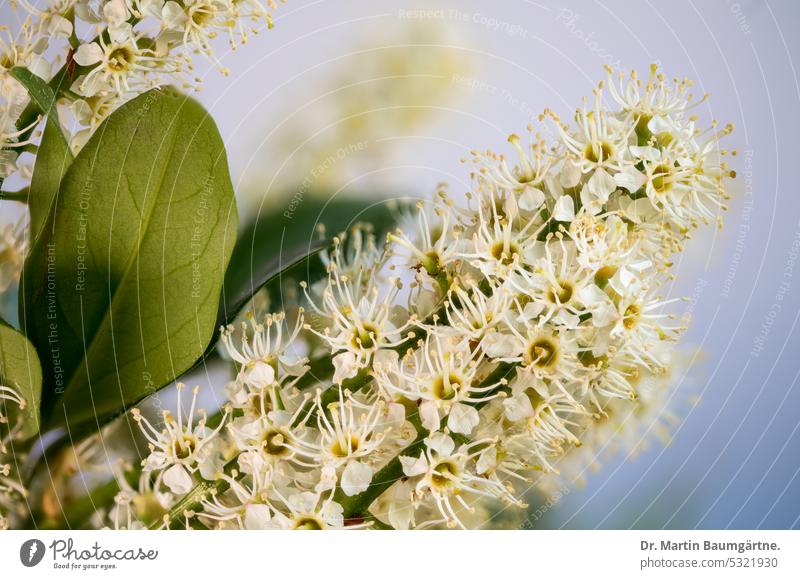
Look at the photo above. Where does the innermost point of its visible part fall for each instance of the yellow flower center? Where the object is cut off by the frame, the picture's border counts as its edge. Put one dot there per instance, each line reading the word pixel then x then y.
pixel 443 474
pixel 542 353
pixel 346 447
pixel 598 151
pixel 121 59
pixel 560 294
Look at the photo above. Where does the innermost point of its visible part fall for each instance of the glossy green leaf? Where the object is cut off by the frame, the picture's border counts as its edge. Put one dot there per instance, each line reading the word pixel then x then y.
pixel 20 371
pixel 120 296
pixel 38 89
pixel 52 161
pixel 53 157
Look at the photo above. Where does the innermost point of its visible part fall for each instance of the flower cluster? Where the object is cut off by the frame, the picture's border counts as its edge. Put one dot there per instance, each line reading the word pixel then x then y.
pixel 109 51
pixel 431 381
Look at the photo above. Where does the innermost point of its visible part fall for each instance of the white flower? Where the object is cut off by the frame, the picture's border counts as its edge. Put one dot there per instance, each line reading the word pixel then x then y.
pixel 443 376
pixel 119 65
pixel 526 178
pixel 182 447
pixel 360 317
pixel 266 353
pixel 658 98
pixel 433 246
pixel 308 511
pixel 12 140
pixel 444 474
pixel 350 431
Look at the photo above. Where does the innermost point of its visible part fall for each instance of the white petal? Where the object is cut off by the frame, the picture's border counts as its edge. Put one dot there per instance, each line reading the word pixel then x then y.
pixel 156 460
pixel 566 319
pixel 511 207
pixel 88 54
pixel 658 125
pixel 564 209
pixel 599 304
pixel 59 26
pixel 414 466
pixel 260 375
pixel 601 184
pixel 570 174
pixel 649 154
pixel 497 345
pixel 173 16
pixel 256 517
pixel 121 33
pixel 115 11
pixel 622 280
pixel 355 478
pixel 178 480
pixel 640 266
pixel 462 418
pixel 440 443
pixel 346 367
pixel 333 514
pixel 429 413
pixel 151 7
pixel 531 310
pixel 531 199
pixel 84 12
pixel 518 407
pixel 236 393
pixel 487 461
pixel 591 295
pixel 630 179
pixel 400 512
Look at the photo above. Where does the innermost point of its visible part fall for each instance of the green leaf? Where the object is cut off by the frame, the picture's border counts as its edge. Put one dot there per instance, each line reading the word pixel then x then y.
pixel 120 296
pixel 38 89
pixel 53 157
pixel 52 161
pixel 20 370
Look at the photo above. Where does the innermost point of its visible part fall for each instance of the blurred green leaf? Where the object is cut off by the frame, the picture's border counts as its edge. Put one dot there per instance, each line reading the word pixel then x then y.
pixel 21 371
pixel 281 235
pixel 303 264
pixel 120 296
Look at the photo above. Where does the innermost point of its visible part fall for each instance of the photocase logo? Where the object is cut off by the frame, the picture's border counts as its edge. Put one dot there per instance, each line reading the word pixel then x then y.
pixel 32 552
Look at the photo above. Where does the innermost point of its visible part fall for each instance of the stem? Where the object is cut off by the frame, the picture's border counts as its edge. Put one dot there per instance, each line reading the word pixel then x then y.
pixel 20 196
pixel 356 507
